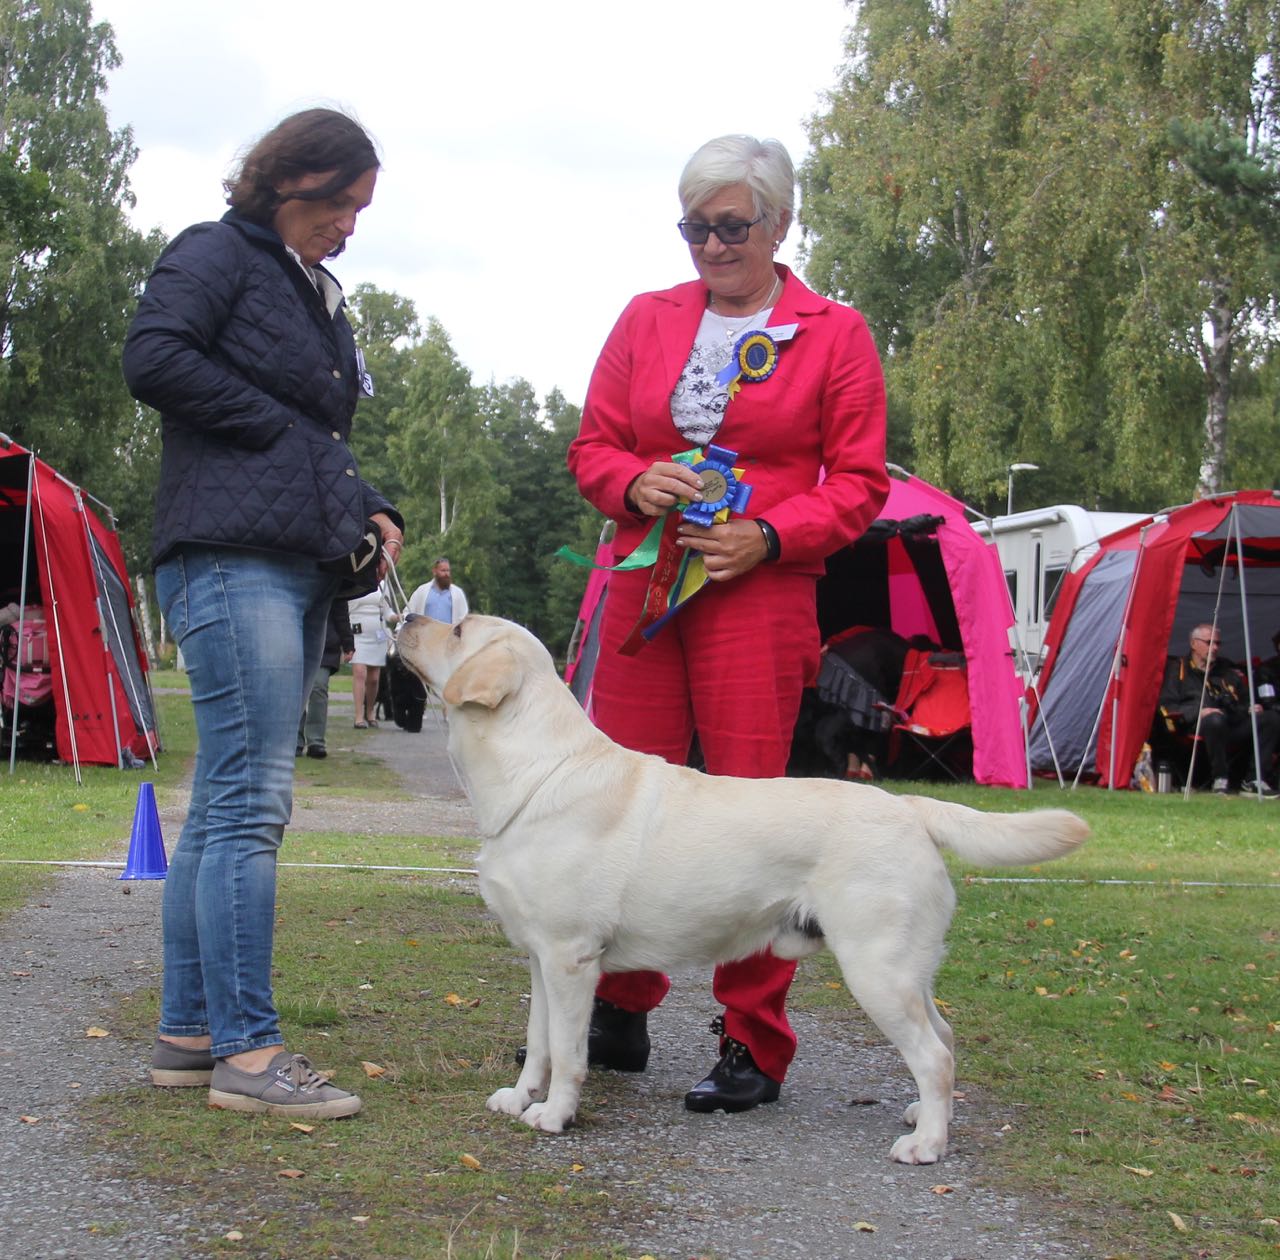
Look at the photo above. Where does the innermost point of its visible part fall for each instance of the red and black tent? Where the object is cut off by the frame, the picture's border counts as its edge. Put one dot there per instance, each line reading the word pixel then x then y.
pixel 1131 606
pixel 61 564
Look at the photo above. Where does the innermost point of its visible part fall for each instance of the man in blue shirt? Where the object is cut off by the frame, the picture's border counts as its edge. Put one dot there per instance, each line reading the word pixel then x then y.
pixel 440 598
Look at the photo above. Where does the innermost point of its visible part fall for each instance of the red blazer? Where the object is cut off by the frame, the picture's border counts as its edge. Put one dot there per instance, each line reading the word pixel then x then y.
pixel 823 408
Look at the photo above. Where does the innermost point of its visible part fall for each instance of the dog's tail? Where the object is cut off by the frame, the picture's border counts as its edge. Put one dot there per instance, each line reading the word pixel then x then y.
pixel 1000 839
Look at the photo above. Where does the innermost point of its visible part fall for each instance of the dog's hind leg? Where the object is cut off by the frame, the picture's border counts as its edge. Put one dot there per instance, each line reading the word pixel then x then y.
pixel 943 1029
pixel 569 981
pixel 895 993
pixel 534 1076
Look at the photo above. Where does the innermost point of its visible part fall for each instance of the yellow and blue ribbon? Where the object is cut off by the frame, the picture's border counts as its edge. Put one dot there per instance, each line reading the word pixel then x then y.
pixel 679 573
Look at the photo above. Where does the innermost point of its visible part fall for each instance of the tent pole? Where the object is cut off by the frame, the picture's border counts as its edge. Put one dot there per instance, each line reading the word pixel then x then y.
pixel 100 600
pixel 1118 659
pixel 22 612
pixel 57 635
pixel 1248 652
pixel 1204 686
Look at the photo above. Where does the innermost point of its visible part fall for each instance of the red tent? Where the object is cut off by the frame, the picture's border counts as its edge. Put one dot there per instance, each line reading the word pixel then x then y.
pixel 54 547
pixel 1134 604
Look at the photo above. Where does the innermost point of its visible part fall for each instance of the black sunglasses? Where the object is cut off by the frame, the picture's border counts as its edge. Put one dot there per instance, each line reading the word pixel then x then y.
pixel 729 233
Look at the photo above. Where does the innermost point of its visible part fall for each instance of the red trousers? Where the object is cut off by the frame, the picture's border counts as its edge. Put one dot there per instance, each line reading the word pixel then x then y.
pixel 730 665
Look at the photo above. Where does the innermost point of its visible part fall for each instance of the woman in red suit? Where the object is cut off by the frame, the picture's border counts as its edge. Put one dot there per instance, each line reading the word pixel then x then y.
pixel 806 425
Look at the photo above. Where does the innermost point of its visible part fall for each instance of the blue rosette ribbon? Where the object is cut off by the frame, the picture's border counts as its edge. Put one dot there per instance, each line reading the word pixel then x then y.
pixel 755 357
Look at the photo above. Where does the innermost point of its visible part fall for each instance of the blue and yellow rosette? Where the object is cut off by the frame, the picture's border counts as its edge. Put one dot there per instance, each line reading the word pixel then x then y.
pixel 679 572
pixel 755 357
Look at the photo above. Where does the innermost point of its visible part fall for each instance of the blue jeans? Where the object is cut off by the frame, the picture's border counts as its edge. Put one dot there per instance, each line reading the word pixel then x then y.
pixel 251 627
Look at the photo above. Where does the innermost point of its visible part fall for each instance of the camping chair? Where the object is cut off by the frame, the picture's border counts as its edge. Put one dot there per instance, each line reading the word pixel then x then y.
pixel 931 714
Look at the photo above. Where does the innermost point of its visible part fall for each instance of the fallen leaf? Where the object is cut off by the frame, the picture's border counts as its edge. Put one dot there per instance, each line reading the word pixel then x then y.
pixel 95 1031
pixel 1140 1172
pixel 1179 1224
pixel 577 1167
pixel 303 1128
pixel 360 1219
pixel 373 1070
pixel 29 1119
pixel 233 1235
pixel 80 807
pixel 470 1161
pixel 940 1189
pixel 1168 1067
pixel 453 999
pixel 864 1227
pixel 366 986
pixel 21 974
pixel 292 1173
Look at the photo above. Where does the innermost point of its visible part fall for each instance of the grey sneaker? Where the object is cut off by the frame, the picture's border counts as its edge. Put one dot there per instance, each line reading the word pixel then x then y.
pixel 1221 787
pixel 289 1086
pixel 176 1067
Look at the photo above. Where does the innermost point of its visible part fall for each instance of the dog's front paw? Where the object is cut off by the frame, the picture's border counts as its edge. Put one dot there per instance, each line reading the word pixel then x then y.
pixel 509 1102
pixel 545 1119
pixel 914 1149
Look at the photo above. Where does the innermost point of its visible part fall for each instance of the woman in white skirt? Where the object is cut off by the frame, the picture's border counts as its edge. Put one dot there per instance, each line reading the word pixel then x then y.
pixel 371 614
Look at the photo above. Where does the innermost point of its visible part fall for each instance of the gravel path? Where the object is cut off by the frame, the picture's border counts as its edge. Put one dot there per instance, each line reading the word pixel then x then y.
pixel 790 1180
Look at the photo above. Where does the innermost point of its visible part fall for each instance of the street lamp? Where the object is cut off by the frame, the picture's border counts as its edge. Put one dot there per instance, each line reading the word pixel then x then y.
pixel 1017 468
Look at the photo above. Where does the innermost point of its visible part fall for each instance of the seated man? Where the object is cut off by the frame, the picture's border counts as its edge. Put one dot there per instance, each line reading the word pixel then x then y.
pixel 1198 685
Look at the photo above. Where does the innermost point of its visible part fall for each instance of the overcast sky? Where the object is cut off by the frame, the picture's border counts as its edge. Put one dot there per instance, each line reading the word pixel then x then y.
pixel 531 151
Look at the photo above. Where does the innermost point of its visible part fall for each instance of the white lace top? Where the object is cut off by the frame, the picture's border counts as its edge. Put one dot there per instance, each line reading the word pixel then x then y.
pixel 698 401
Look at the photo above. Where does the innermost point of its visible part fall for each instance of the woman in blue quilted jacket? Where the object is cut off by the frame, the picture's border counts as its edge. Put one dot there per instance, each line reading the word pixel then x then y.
pixel 241 344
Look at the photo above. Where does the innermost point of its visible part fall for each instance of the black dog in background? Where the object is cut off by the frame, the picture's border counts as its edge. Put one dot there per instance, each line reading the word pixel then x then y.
pixel 401 696
pixel 848 711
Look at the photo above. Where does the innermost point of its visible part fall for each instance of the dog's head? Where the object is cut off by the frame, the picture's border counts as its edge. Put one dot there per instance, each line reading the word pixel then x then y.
pixel 481 660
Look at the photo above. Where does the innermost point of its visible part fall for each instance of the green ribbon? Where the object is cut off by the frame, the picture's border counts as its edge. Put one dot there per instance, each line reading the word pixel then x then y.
pixel 646 554
pixel 642 557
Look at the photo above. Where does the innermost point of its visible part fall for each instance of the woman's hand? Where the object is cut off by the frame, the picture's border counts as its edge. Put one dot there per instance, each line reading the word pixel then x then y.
pixel 656 489
pixel 728 550
pixel 391 538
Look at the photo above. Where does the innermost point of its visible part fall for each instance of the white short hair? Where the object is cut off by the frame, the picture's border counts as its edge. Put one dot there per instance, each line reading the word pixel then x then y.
pixel 763 165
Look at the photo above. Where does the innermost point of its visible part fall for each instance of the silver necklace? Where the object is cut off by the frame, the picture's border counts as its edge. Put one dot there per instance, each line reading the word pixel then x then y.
pixel 733 331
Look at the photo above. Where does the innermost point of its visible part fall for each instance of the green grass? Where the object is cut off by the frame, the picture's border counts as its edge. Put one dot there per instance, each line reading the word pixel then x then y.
pixel 1129 1029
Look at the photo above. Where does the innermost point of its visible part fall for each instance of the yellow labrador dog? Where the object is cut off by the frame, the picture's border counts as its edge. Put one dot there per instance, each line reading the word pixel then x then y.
pixel 595 859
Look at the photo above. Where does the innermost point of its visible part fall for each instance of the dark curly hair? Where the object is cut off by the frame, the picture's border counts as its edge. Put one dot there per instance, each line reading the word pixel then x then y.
pixel 306 143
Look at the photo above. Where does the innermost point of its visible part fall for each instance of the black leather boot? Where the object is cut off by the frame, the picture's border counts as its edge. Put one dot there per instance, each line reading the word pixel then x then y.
pixel 735 1083
pixel 616 1039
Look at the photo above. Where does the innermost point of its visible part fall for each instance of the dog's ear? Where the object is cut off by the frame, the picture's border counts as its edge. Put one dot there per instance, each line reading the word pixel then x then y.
pixel 488 678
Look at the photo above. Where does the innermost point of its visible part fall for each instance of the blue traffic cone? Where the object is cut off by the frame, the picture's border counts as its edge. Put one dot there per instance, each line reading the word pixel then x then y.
pixel 146 845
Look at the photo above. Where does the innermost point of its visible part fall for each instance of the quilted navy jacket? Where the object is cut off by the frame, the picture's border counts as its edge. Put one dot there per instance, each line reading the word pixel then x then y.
pixel 256 385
